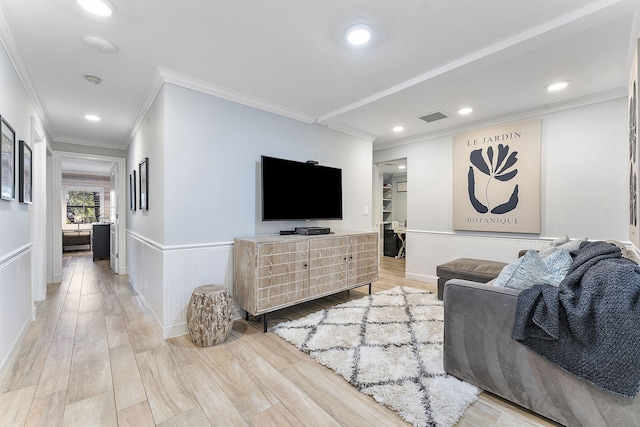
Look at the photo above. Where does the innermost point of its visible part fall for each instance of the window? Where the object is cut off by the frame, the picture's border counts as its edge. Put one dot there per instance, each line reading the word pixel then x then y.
pixel 83 205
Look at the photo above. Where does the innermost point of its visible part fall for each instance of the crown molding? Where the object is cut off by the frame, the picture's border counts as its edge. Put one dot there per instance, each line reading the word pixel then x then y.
pixel 92 143
pixel 340 127
pixel 203 86
pixel 523 115
pixel 164 75
pixel 150 95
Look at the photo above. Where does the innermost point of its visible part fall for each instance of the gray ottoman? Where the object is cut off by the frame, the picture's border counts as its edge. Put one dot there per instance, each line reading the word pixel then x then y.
pixel 476 270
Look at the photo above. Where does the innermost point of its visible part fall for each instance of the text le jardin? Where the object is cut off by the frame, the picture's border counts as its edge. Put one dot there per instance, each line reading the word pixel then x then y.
pixel 494 138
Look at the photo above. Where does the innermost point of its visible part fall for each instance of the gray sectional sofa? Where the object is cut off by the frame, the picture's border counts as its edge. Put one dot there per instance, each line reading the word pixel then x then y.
pixel 478 348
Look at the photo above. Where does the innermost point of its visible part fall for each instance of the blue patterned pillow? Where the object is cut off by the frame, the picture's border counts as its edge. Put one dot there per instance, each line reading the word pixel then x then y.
pixel 531 269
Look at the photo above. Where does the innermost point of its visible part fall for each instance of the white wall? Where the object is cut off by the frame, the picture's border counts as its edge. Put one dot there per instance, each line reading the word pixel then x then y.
pixel 213 150
pixel 584 189
pixel 149 141
pixel 204 155
pixel 16 299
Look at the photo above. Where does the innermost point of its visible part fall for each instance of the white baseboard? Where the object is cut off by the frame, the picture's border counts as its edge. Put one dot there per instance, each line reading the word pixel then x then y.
pixel 182 328
pixel 13 353
pixel 176 330
pixel 421 277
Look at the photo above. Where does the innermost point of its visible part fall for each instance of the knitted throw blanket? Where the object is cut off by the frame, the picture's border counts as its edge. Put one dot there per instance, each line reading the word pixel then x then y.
pixel 590 324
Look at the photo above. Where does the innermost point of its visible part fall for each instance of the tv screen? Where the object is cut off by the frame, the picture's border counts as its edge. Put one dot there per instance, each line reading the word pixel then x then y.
pixel 300 191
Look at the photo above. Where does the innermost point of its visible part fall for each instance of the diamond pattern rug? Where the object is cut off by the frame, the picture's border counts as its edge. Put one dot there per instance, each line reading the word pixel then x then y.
pixel 389 346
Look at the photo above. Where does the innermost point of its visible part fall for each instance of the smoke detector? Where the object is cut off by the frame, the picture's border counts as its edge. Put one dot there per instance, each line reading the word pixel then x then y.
pixel 99 44
pixel 92 79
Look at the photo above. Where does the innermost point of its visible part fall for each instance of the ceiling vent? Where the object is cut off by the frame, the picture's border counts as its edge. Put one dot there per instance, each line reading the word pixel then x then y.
pixel 432 117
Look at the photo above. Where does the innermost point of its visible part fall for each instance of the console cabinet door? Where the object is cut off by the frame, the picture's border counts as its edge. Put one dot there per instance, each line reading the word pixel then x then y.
pixel 283 275
pixel 363 259
pixel 328 265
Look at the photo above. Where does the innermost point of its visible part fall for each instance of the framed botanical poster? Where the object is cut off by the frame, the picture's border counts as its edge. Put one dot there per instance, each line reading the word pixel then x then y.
pixel 143 169
pixel 496 179
pixel 25 167
pixel 132 191
pixel 8 164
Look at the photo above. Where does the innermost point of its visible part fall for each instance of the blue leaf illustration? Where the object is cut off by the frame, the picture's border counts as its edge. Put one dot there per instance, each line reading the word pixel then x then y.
pixel 490 155
pixel 510 162
pixel 502 153
pixel 478 161
pixel 509 206
pixel 506 176
pixel 479 207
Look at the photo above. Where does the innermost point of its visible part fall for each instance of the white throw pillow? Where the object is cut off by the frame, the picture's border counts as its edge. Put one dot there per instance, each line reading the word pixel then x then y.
pixel 569 245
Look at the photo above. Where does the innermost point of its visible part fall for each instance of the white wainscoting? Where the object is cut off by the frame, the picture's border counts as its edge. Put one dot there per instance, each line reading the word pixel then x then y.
pixel 16 302
pixel 427 249
pixel 165 277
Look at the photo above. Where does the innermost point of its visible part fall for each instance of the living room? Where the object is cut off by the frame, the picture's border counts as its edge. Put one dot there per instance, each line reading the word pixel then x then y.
pixel 203 153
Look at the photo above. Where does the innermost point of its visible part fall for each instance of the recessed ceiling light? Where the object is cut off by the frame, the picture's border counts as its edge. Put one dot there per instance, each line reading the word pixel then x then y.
pixel 402 167
pixel 101 8
pixel 398 129
pixel 358 34
pixel 464 111
pixel 553 87
pixel 92 117
pixel 99 44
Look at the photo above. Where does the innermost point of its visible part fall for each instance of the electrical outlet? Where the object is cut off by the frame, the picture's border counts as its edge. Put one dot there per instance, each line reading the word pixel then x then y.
pixel 365 211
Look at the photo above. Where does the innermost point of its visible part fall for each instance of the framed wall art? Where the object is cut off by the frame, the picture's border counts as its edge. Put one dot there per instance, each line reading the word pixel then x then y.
pixel 25 168
pixel 132 191
pixel 8 163
pixel 143 170
pixel 402 187
pixel 496 179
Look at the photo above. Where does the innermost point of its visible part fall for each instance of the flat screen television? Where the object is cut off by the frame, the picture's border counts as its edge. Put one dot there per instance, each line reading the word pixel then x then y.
pixel 300 191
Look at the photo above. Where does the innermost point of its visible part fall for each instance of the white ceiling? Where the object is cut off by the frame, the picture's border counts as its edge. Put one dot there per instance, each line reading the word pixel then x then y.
pixel 290 57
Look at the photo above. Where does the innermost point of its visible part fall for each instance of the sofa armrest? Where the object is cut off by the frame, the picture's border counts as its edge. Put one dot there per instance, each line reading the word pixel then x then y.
pixel 475 315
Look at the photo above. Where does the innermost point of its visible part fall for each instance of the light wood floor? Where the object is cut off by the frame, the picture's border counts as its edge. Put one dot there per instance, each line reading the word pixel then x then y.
pixel 94 357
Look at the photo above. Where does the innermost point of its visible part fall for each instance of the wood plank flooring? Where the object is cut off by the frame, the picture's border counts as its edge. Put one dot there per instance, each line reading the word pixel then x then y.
pixel 94 357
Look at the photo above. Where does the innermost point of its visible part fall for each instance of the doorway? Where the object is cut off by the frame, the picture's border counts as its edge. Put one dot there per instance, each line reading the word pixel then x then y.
pixel 391 201
pixel 85 174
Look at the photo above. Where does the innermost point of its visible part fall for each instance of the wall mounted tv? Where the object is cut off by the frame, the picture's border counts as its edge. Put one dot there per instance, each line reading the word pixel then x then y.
pixel 300 191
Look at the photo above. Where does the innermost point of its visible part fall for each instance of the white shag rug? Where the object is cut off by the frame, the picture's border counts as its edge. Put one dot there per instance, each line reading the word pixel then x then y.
pixel 389 346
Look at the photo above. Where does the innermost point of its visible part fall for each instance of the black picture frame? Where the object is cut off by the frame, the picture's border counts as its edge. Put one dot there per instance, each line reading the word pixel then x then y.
pixel 25 174
pixel 7 161
pixel 143 170
pixel 132 191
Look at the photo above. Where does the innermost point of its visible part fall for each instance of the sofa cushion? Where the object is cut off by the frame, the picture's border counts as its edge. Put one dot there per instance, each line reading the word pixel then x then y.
pixel 531 270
